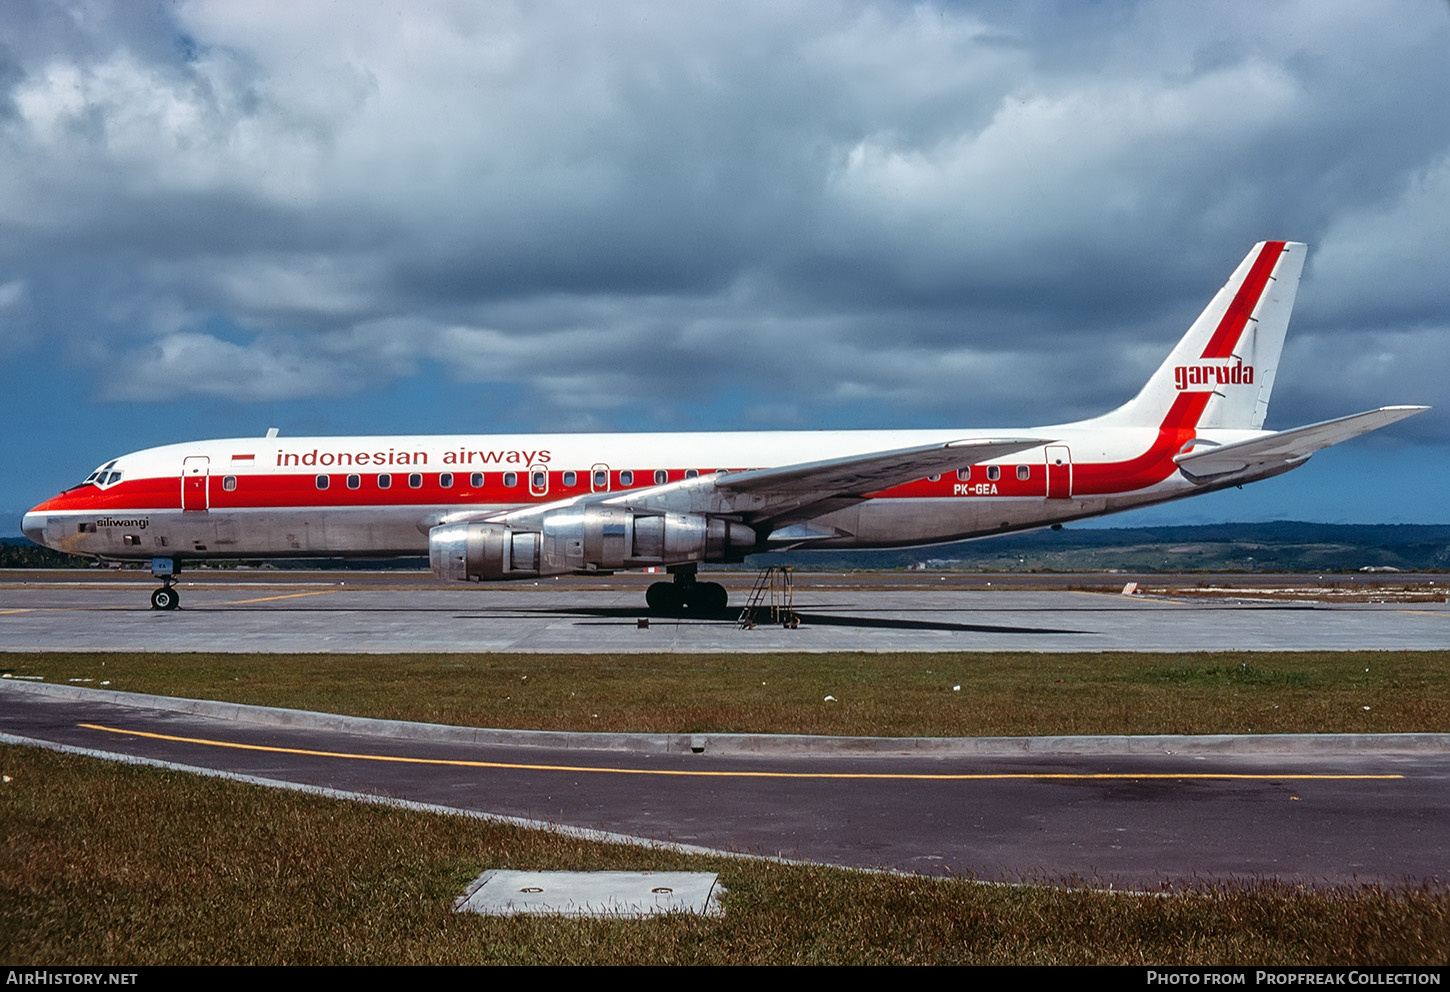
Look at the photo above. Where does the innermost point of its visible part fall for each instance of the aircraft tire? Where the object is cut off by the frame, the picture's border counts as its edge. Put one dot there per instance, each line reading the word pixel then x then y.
pixel 165 598
pixel 710 597
pixel 662 598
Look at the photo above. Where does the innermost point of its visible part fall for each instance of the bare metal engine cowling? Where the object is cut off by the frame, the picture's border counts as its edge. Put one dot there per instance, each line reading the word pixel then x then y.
pixel 583 539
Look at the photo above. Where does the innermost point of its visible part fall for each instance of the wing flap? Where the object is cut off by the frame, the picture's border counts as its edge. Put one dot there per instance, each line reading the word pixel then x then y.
pixel 1287 447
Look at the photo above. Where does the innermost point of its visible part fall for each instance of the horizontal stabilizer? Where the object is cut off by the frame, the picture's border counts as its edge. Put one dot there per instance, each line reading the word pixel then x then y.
pixel 1287 447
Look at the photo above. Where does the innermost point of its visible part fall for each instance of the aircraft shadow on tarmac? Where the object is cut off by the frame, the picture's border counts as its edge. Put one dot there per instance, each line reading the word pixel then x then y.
pixel 806 620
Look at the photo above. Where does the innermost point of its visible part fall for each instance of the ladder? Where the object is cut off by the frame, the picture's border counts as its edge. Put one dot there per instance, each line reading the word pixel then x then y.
pixel 773 594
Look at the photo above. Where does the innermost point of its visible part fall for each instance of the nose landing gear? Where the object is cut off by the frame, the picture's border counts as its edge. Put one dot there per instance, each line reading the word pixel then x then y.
pixel 165 598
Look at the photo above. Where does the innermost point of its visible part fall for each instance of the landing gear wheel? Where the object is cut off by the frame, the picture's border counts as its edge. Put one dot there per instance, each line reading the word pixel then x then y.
pixel 662 598
pixel 165 598
pixel 710 598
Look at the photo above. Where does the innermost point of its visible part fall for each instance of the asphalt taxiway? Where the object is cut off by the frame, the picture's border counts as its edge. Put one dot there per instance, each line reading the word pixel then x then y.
pixel 394 612
pixel 1111 812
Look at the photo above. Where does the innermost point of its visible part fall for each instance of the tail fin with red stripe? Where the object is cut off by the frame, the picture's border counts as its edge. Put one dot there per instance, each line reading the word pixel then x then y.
pixel 1222 372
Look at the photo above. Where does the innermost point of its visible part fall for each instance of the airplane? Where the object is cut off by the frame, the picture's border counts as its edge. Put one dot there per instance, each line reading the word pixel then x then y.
pixel 498 507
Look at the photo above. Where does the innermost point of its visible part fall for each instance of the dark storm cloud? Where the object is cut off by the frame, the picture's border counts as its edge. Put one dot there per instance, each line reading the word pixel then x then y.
pixel 842 213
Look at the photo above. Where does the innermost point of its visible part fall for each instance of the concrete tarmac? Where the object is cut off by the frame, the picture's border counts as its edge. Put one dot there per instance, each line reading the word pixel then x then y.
pixel 1108 812
pixel 276 611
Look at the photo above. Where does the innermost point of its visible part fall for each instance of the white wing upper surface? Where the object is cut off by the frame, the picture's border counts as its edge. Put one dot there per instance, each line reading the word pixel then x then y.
pixel 797 492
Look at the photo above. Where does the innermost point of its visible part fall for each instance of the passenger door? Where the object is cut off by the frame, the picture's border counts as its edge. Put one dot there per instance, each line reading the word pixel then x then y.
pixel 195 488
pixel 1059 472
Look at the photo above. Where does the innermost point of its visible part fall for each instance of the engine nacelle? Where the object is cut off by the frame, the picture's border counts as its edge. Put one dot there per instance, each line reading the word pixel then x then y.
pixel 583 539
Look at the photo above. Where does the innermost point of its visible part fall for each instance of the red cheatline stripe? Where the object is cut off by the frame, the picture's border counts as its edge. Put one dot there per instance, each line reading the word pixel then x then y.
pixel 1231 327
pixel 1184 413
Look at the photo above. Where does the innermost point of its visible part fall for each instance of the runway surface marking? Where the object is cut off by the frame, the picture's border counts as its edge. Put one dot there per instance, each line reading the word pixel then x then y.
pixel 268 599
pixel 965 777
pixel 235 602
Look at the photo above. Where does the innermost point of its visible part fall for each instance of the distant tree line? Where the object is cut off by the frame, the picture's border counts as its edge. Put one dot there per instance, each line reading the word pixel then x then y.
pixel 23 554
pixel 1277 546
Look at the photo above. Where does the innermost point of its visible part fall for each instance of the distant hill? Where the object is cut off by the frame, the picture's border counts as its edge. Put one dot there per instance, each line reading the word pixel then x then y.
pixel 1262 547
pixel 1282 545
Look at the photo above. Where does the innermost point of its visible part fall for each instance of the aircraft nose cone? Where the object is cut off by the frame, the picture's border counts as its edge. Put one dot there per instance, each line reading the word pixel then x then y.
pixel 32 525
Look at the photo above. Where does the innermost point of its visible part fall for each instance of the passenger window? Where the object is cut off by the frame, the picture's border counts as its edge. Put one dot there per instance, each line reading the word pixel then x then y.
pixel 933 478
pixel 601 480
pixel 626 478
pixel 570 478
pixel 229 482
pixel 385 481
pixel 445 480
pixel 994 472
pixel 661 476
pixel 692 473
pixel 538 480
pixel 476 480
pixel 415 481
pixel 511 479
pixel 963 474
pixel 353 481
pixel 322 481
pixel 1024 473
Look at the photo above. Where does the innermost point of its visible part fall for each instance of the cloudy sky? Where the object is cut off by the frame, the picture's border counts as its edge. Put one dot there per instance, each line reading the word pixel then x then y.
pixel 218 217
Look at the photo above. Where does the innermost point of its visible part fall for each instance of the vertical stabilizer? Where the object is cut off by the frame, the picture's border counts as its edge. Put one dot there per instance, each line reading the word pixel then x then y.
pixel 1222 373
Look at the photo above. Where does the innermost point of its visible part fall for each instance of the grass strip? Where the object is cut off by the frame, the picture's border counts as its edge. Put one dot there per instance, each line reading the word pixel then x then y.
pixel 950 694
pixel 115 864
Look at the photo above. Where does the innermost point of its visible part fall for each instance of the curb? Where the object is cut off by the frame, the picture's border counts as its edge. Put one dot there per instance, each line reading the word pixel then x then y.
pixel 761 744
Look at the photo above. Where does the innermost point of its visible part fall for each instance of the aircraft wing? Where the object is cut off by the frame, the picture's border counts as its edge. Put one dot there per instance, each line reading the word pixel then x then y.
pixel 782 495
pixel 1287 447
pixel 862 474
pixel 797 492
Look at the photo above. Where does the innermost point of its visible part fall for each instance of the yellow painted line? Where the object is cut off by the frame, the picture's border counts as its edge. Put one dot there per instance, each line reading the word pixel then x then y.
pixel 91 609
pixel 235 602
pixel 268 599
pixel 458 763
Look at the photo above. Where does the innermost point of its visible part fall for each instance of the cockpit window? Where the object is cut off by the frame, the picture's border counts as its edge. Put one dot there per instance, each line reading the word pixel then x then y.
pixel 103 476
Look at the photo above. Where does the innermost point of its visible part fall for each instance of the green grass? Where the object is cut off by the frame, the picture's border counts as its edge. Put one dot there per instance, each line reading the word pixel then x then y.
pixel 893 695
pixel 113 864
pixel 108 864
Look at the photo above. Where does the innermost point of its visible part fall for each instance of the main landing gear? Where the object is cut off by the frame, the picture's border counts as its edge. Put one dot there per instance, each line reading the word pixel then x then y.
pixel 165 598
pixel 686 597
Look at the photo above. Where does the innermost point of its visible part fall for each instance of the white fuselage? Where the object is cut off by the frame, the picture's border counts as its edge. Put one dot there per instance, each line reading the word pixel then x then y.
pixel 380 496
